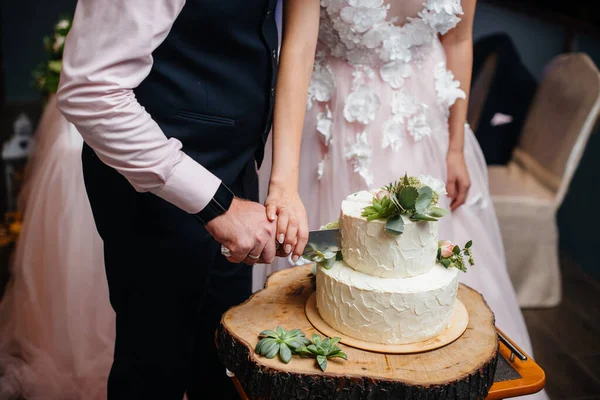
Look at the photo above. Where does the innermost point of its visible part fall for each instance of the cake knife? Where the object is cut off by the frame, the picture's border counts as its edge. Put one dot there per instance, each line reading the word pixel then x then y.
pixel 323 239
pixel 320 239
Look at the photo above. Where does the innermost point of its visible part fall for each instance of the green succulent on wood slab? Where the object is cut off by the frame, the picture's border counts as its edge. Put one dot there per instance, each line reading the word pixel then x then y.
pixel 280 342
pixel 287 343
pixel 322 349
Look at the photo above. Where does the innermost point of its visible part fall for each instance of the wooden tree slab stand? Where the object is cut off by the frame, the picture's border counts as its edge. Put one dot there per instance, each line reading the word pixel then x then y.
pixel 463 369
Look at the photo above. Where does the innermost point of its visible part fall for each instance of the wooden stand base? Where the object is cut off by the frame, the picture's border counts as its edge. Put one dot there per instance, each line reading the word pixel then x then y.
pixel 462 369
pixel 460 320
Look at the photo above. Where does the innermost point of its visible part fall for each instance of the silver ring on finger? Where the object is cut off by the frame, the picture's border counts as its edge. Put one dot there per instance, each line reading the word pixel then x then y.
pixel 250 256
pixel 225 251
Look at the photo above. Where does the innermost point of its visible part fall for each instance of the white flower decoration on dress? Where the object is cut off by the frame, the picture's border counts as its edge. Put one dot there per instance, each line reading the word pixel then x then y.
pixel 362 105
pixel 320 169
pixel 441 22
pixel 435 184
pixel 395 47
pixel 394 73
pixel 448 89
pixel 403 105
pixel 361 18
pixel 334 6
pixel 366 3
pixel 393 132
pixel 324 124
pixel 321 85
pixel 417 126
pixel 360 153
pixel 445 6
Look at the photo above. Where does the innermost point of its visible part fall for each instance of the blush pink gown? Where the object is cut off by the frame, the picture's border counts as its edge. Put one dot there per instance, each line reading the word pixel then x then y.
pixel 56 322
pixel 378 107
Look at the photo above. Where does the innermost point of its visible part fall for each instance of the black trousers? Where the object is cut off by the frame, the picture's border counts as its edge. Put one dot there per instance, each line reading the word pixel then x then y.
pixel 169 286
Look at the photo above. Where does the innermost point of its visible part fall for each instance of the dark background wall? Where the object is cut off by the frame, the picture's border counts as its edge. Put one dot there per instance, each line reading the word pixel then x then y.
pixel 23 23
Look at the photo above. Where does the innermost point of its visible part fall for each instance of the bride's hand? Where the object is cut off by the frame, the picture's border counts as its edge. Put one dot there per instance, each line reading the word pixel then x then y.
pixel 458 179
pixel 286 206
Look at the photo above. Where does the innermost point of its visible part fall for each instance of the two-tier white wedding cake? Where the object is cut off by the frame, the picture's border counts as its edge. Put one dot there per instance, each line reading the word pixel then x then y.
pixel 388 286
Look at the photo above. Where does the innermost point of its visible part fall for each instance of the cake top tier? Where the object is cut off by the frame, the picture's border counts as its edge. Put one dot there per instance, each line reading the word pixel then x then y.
pixel 393 232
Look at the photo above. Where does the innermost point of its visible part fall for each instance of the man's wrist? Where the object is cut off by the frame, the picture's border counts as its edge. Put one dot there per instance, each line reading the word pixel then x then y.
pixel 217 206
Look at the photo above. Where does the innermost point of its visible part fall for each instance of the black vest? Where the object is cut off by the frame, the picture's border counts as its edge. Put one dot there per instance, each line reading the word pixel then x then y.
pixel 212 83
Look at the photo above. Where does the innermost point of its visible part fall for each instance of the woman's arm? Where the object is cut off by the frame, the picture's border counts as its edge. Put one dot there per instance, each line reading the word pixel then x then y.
pixel 299 40
pixel 458 46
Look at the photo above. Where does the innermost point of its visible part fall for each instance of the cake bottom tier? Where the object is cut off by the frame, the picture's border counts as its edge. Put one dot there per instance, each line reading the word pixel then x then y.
pixel 386 310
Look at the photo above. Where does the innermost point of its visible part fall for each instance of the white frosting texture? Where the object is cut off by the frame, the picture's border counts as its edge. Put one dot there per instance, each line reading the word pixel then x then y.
pixel 367 248
pixel 387 311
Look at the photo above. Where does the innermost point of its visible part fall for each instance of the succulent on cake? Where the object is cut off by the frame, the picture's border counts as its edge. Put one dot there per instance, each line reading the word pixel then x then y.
pixel 412 197
pixel 287 343
pixel 450 255
pixel 325 258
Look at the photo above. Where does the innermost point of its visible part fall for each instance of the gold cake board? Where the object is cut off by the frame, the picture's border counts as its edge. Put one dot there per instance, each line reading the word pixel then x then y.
pixel 458 325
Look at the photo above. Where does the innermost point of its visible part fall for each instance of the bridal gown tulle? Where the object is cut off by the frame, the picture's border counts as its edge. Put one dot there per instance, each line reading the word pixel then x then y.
pixel 378 108
pixel 56 322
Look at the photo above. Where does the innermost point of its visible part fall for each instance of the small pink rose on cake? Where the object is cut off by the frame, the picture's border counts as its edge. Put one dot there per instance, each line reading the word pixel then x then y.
pixel 447 247
pixel 381 194
pixel 450 255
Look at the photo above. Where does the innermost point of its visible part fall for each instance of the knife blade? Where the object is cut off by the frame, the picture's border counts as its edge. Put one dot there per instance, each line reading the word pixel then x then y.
pixel 323 239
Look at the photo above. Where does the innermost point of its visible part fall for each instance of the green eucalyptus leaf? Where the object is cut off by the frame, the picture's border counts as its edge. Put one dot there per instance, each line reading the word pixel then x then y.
pixel 439 253
pixel 422 217
pixel 423 201
pixel 469 244
pixel 407 197
pixel 445 262
pixel 322 361
pixel 285 353
pixel 456 250
pixel 394 225
pixel 437 212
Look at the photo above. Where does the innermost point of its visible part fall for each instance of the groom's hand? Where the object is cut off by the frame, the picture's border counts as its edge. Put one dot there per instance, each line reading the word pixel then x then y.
pixel 245 230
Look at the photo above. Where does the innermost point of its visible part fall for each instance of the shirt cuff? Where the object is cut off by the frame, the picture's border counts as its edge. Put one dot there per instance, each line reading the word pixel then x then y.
pixel 190 186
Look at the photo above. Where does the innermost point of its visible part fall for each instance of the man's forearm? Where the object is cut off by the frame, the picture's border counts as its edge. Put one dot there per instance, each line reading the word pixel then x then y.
pixel 102 63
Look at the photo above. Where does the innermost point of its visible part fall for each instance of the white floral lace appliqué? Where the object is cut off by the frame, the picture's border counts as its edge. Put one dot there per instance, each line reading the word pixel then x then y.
pixel 324 125
pixel 359 152
pixel 362 105
pixel 448 89
pixel 321 85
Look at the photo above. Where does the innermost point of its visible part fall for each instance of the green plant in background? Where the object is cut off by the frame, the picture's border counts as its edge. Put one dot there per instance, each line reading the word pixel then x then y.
pixel 47 74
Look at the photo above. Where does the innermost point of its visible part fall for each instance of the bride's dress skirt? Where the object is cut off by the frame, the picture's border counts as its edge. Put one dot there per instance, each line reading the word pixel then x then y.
pixel 56 322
